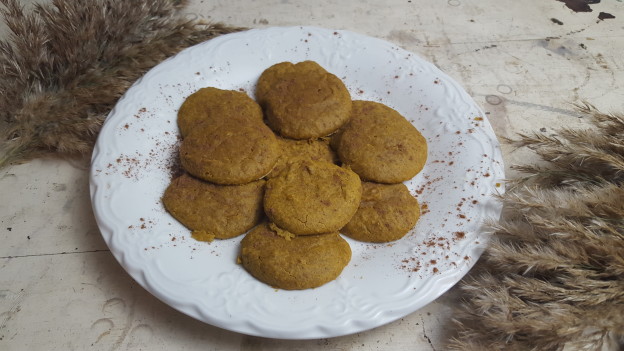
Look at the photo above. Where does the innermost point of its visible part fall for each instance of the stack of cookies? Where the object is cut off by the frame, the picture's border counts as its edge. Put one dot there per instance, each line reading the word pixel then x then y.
pixel 307 158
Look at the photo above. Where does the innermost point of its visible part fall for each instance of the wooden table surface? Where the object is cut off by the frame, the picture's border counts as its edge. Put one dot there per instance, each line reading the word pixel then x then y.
pixel 523 62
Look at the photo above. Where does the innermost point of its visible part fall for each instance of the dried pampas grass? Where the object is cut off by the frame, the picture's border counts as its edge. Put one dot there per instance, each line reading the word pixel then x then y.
pixel 553 275
pixel 65 65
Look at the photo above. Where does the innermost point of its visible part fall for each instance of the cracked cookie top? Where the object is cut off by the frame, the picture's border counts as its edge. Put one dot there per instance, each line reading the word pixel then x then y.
pixel 292 150
pixel 380 145
pixel 311 197
pixel 386 213
pixel 303 100
pixel 223 211
pixel 300 262
pixel 236 152
pixel 216 106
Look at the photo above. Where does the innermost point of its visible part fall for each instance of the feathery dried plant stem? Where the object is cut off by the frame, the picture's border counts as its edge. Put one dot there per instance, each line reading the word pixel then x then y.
pixel 65 65
pixel 553 275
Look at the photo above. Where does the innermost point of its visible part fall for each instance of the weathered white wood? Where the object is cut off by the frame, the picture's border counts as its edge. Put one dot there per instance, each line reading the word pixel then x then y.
pixel 74 301
pixel 60 288
pixel 47 210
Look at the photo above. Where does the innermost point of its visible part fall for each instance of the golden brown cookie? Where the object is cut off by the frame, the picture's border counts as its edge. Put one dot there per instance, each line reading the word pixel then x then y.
pixel 387 212
pixel 303 262
pixel 380 145
pixel 303 100
pixel 215 106
pixel 311 197
pixel 236 152
pixel 224 211
pixel 292 150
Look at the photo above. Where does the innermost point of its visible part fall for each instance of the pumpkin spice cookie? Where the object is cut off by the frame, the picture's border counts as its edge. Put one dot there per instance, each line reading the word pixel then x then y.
pixel 301 262
pixel 303 100
pixel 236 152
pixel 380 145
pixel 222 211
pixel 292 150
pixel 215 106
pixel 311 197
pixel 387 212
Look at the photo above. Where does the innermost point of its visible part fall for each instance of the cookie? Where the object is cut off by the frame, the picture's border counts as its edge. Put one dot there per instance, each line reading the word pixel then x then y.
pixel 224 211
pixel 311 197
pixel 231 153
pixel 292 150
pixel 302 262
pixel 380 145
pixel 215 106
pixel 303 100
pixel 386 213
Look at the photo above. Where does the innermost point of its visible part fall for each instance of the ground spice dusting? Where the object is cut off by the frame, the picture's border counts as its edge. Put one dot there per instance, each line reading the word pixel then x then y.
pixel 130 167
pixel 162 156
pixel 410 264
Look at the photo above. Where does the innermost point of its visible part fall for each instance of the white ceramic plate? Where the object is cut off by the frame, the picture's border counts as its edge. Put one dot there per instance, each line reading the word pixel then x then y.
pixel 383 282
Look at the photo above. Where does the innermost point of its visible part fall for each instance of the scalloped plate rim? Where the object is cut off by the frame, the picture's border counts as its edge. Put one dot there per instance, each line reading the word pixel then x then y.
pixel 241 325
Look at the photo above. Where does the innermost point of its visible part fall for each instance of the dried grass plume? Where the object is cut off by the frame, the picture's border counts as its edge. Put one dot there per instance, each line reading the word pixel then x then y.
pixel 553 275
pixel 64 66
